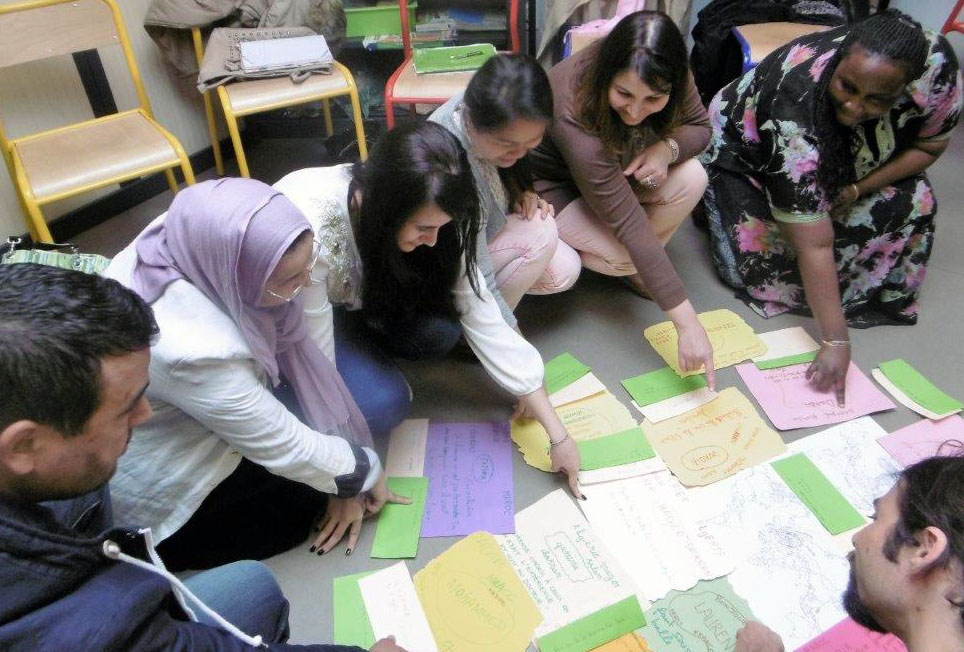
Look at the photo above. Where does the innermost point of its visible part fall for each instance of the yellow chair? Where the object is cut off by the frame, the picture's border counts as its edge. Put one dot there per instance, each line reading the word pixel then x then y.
pixel 60 163
pixel 247 97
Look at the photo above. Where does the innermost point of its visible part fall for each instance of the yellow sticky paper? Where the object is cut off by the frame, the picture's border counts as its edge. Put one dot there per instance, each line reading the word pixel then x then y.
pixel 596 416
pixel 715 440
pixel 630 642
pixel 473 599
pixel 732 339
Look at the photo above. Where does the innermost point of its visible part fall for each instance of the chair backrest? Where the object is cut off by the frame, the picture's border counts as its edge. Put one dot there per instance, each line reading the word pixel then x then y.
pixel 513 20
pixel 40 29
pixel 49 28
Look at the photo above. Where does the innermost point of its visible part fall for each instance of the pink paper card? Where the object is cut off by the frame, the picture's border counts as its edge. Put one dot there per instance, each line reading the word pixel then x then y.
pixel 791 402
pixel 848 636
pixel 922 439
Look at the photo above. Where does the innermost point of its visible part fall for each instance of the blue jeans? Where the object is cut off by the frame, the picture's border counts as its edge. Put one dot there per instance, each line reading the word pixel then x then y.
pixel 245 594
pixel 375 382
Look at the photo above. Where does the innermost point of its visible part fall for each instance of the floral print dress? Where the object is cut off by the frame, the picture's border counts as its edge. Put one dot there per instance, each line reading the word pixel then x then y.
pixel 762 163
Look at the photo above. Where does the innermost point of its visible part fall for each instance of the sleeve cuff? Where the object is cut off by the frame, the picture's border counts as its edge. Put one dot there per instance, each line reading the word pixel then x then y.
pixel 363 477
pixel 374 470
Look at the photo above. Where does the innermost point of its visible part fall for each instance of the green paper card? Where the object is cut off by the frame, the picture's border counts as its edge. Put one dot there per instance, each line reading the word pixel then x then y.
pixel 660 385
pixel 350 618
pixel 563 370
pixel 817 493
pixel 597 628
pixel 621 448
pixel 705 617
pixel 786 361
pixel 918 388
pixel 452 58
pixel 399 526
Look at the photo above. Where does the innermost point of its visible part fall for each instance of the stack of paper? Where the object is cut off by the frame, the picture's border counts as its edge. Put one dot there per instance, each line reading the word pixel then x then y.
pixel 791 401
pixel 715 440
pixel 786 347
pixel 732 339
pixel 914 391
pixel 394 610
pixel 662 394
pixel 924 439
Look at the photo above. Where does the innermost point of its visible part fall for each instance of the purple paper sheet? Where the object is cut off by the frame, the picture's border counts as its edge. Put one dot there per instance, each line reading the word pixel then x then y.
pixel 469 471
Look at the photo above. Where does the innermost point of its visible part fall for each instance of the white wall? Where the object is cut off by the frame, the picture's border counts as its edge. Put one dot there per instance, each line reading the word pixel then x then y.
pixel 49 93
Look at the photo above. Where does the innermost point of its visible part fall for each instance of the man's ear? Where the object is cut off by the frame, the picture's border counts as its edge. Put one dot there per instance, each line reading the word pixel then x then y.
pixel 931 544
pixel 20 445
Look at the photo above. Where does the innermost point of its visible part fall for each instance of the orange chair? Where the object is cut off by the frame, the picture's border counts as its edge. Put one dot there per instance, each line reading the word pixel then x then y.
pixel 71 160
pixel 953 23
pixel 405 86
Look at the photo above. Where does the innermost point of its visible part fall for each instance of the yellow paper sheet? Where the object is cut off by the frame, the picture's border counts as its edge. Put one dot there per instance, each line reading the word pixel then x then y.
pixel 715 440
pixel 732 338
pixel 630 642
pixel 596 416
pixel 473 599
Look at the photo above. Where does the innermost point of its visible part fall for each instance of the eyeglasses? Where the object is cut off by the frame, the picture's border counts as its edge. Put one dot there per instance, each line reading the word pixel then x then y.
pixel 315 255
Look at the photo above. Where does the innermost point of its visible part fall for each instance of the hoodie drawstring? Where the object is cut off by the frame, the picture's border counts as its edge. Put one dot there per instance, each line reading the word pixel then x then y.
pixel 184 594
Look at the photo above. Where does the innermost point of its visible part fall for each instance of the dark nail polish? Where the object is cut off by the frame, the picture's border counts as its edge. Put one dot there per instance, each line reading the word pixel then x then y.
pixel 584 498
pixel 348 552
pixel 321 552
pixel 312 548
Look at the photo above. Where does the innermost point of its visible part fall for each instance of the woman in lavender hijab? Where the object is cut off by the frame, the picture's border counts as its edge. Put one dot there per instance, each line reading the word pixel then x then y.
pixel 224 470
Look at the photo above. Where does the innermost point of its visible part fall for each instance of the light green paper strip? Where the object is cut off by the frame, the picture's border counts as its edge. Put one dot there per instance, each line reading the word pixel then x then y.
pixel 786 361
pixel 917 387
pixel 620 448
pixel 597 628
pixel 350 618
pixel 660 385
pixel 399 526
pixel 817 493
pixel 563 370
pixel 453 58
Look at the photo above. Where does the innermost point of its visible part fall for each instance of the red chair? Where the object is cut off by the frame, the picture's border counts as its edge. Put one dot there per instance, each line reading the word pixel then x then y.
pixel 407 87
pixel 953 24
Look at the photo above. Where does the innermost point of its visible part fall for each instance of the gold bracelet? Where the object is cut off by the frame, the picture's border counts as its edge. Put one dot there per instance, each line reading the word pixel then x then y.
pixel 856 191
pixel 553 444
pixel 837 342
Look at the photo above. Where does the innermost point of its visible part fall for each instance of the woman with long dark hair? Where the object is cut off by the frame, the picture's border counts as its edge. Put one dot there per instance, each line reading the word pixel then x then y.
pixel 618 163
pixel 503 114
pixel 818 200
pixel 398 234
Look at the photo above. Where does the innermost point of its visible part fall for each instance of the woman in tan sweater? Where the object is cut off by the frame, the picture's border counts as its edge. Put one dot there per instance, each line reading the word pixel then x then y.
pixel 618 163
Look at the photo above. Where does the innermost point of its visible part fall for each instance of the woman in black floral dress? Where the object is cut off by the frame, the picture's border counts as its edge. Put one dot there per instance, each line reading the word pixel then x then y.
pixel 817 195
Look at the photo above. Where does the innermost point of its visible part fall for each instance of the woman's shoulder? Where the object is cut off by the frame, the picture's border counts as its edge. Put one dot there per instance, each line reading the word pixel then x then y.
pixel 320 193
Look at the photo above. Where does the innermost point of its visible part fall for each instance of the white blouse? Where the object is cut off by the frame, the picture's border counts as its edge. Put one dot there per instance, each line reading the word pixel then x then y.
pixel 322 195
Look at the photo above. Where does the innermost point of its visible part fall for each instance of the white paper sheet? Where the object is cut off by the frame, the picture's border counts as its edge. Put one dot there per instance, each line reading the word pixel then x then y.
pixel 655 532
pixel 394 610
pixel 406 449
pixel 789 568
pixel 786 342
pixel 905 400
pixel 585 387
pixel 610 473
pixel 853 460
pixel 564 566
pixel 676 405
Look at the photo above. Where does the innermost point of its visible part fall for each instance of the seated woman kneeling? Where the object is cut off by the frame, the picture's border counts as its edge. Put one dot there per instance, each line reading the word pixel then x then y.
pixel 405 226
pixel 223 470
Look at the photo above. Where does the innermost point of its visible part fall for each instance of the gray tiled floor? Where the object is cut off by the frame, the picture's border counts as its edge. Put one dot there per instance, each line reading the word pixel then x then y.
pixel 602 323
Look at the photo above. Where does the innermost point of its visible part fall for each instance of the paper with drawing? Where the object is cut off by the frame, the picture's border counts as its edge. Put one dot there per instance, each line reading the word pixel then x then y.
pixel 923 439
pixel 714 441
pixel 732 338
pixel 394 610
pixel 656 533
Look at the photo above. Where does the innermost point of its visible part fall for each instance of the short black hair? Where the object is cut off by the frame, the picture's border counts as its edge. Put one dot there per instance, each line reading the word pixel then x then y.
pixel 56 326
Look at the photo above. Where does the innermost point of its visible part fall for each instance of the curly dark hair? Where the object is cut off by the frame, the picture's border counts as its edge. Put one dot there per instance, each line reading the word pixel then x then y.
pixel 650 44
pixel 890 34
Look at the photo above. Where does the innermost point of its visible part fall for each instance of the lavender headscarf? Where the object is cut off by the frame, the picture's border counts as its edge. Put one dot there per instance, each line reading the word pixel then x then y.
pixel 226 237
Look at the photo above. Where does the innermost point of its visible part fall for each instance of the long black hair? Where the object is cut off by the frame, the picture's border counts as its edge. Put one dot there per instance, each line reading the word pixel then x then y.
pixel 890 34
pixel 411 166
pixel 509 87
pixel 649 44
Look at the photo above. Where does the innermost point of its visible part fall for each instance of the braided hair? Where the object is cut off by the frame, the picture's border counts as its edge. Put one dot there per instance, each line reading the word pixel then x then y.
pixel 890 34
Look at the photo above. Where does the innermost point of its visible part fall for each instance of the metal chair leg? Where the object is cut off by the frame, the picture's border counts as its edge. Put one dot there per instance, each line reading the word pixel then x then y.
pixel 326 109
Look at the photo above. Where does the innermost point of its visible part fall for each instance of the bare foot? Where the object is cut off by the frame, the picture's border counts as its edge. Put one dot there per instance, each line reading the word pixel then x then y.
pixel 635 283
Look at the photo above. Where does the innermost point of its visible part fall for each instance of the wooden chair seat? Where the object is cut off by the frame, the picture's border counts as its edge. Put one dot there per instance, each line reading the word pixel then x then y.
pixel 257 95
pixel 409 85
pixel 760 39
pixel 93 154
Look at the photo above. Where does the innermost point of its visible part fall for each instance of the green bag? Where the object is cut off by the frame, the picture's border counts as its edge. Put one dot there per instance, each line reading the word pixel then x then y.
pixel 452 59
pixel 64 256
